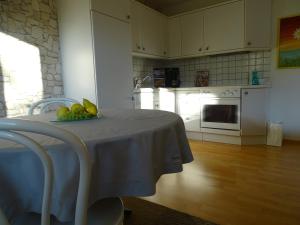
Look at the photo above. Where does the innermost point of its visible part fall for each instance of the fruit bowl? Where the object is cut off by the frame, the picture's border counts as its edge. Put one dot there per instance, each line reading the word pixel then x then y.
pixel 77 112
pixel 75 119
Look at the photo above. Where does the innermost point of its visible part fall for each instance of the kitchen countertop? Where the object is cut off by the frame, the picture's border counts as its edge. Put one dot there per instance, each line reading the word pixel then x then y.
pixel 148 89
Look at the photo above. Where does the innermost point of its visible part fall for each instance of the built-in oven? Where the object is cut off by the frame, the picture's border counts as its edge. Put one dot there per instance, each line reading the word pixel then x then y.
pixel 221 110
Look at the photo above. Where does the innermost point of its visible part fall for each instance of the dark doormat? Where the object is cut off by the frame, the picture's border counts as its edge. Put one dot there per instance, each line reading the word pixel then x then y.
pixel 148 213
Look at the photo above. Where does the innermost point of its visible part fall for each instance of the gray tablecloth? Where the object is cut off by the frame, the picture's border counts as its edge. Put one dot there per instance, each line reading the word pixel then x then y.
pixel 130 150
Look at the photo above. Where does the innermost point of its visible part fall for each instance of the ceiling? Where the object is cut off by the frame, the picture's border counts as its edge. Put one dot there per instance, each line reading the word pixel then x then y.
pixel 173 7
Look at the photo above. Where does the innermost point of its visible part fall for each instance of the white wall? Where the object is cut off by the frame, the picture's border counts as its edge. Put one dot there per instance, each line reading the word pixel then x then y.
pixel 285 92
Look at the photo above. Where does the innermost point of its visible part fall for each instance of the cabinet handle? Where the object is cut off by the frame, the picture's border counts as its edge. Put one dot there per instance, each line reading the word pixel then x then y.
pixel 249 43
pixel 144 49
pixel 207 48
pixel 128 17
pixel 200 49
pixel 165 52
pixel 246 93
pixel 138 47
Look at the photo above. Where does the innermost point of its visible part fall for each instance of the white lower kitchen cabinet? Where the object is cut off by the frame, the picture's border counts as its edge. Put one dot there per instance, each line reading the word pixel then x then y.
pixel 188 103
pixel 96 54
pixel 192 123
pixel 158 99
pixel 254 116
pixel 167 99
pixel 253 120
pixel 146 100
pixel 188 106
pixel 251 111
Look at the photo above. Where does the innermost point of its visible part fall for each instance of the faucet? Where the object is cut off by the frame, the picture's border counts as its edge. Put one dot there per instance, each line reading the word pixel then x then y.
pixel 139 81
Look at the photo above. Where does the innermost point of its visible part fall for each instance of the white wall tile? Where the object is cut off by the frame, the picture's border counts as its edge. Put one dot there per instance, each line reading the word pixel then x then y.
pixel 230 69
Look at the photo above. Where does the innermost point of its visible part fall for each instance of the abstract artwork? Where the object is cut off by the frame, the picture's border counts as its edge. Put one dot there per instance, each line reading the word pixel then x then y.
pixel 289 42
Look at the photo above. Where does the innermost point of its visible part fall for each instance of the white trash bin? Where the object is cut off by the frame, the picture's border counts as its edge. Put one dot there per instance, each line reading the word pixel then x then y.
pixel 275 134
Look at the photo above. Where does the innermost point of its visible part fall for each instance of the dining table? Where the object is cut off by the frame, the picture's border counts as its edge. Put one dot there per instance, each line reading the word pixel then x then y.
pixel 130 150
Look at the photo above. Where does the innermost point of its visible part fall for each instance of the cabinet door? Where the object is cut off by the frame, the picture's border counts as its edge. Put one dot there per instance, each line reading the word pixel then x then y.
pixel 154 31
pixel 174 37
pixel 258 23
pixel 115 8
pixel 192 33
pixel 147 100
pixel 224 27
pixel 188 103
pixel 167 100
pixel 191 123
pixel 113 61
pixel 136 31
pixel 253 116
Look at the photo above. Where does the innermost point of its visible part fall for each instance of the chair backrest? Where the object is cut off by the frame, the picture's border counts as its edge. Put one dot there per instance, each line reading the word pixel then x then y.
pixel 9 129
pixel 47 102
pixel 47 165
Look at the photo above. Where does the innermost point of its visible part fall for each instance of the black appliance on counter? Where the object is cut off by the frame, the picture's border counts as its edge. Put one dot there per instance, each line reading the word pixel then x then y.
pixel 166 77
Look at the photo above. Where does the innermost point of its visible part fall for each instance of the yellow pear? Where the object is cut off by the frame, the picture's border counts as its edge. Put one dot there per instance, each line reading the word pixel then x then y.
pixel 77 108
pixel 87 103
pixel 90 107
pixel 92 110
pixel 62 112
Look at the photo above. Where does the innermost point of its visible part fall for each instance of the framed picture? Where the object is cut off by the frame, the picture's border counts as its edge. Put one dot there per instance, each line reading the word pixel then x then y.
pixel 289 42
pixel 202 78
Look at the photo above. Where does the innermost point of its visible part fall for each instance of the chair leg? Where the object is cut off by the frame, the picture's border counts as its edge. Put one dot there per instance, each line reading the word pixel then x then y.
pixel 127 211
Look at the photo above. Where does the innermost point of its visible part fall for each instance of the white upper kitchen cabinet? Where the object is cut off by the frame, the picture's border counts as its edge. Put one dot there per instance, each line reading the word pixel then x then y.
pixel 174 37
pixel 224 27
pixel 115 8
pixel 233 26
pixel 149 31
pixel 192 33
pixel 258 14
pixel 154 30
pixel 136 34
pixel 96 54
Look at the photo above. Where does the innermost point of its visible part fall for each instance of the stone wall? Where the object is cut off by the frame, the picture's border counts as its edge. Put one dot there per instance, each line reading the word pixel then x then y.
pixel 32 24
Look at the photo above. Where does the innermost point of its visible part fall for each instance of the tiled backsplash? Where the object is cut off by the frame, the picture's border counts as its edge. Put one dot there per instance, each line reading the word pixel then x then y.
pixel 231 69
pixel 143 67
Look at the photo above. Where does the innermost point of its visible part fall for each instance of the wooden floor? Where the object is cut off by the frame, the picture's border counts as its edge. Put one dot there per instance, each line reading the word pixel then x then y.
pixel 234 185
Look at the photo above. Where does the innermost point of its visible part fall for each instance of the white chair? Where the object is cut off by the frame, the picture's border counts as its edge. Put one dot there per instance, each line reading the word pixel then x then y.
pixel 104 212
pixel 44 104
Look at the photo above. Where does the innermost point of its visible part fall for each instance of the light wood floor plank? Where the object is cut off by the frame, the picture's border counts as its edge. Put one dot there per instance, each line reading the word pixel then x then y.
pixel 234 185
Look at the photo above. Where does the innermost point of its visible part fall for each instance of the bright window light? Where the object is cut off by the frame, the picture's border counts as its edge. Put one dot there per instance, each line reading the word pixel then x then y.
pixel 209 99
pixel 189 103
pixel 147 98
pixel 21 69
pixel 167 100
